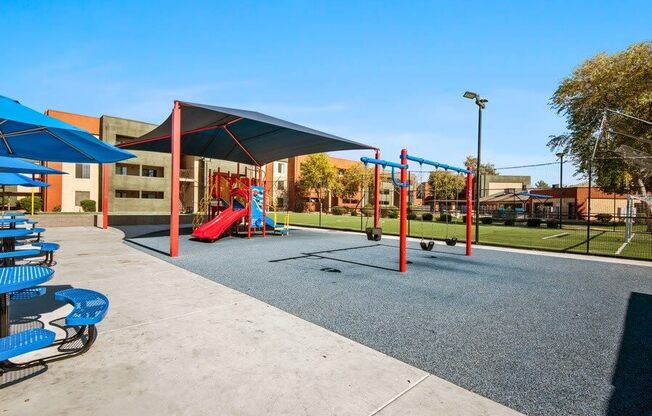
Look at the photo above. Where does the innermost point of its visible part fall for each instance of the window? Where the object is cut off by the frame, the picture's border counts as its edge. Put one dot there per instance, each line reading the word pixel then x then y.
pixel 124 169
pixel 151 195
pixel 280 202
pixel 280 185
pixel 281 168
pixel 80 196
pixel 82 171
pixel 126 194
pixel 152 171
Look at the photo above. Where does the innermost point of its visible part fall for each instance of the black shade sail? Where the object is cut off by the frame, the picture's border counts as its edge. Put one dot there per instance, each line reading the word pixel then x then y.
pixel 239 136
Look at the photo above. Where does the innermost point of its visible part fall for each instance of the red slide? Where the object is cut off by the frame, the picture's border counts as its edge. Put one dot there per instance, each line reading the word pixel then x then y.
pixel 212 230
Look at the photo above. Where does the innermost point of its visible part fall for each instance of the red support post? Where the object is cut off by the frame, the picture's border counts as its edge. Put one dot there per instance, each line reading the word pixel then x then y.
pixel 249 211
pixel 105 196
pixel 377 192
pixel 403 217
pixel 175 144
pixel 469 210
pixel 264 204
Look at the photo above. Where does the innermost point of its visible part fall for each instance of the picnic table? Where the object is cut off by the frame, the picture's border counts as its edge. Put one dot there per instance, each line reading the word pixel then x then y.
pixel 13 278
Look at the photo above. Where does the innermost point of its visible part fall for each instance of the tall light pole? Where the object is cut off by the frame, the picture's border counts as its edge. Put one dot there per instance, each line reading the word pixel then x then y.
pixel 481 103
pixel 560 155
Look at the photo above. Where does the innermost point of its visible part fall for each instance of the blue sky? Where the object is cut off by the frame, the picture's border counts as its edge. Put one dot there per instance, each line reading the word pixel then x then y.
pixel 390 74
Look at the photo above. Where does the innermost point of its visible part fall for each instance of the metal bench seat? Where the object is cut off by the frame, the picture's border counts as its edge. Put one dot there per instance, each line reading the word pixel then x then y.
pixel 26 341
pixel 89 307
pixel 26 294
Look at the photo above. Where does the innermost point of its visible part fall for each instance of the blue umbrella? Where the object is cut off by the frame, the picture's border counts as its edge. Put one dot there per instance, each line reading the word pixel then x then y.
pixel 16 179
pixel 13 165
pixel 29 134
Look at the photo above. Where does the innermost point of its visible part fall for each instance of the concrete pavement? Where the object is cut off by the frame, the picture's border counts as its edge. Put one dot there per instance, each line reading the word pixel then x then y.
pixel 175 343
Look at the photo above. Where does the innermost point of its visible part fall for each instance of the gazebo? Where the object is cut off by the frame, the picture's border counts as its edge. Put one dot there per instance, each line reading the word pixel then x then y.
pixel 234 135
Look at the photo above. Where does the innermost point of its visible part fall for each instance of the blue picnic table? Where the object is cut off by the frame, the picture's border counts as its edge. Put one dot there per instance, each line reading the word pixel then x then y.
pixel 13 278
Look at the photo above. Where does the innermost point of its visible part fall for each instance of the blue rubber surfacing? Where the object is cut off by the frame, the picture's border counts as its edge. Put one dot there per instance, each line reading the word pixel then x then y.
pixel 543 335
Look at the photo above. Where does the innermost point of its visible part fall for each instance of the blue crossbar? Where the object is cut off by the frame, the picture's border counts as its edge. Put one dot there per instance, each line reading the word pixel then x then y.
pixel 422 161
pixel 383 163
pixel 89 307
pixel 26 341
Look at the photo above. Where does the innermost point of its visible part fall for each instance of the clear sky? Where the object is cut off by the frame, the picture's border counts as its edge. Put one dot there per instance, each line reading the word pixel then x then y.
pixel 390 74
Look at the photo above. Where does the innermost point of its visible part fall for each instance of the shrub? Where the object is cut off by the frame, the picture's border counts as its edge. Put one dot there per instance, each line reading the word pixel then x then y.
pixel 427 216
pixel 509 222
pixel 300 206
pixel 338 210
pixel 26 203
pixel 486 220
pixel 354 213
pixel 445 218
pixel 88 205
pixel 412 216
pixel 604 218
pixel 552 223
pixel 392 214
pixel 385 211
pixel 534 222
pixel 56 208
pixel 368 210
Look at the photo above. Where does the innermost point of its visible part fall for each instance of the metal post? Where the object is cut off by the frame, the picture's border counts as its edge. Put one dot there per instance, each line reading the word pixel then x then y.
pixel 469 204
pixel 477 178
pixel 105 196
pixel 588 208
pixel 561 186
pixel 403 217
pixel 264 202
pixel 377 192
pixel 175 145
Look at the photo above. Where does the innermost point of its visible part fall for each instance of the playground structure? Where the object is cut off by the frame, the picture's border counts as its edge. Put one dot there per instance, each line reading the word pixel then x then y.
pixel 403 184
pixel 234 201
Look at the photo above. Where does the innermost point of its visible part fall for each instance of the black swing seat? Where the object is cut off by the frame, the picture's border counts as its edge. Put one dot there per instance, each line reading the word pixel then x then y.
pixel 427 246
pixel 374 233
pixel 451 241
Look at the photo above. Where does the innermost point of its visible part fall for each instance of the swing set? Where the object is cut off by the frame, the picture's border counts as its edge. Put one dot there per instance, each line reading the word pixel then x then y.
pixel 403 184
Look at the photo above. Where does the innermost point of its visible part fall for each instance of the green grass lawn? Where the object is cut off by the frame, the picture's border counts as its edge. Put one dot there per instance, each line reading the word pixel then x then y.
pixel 604 240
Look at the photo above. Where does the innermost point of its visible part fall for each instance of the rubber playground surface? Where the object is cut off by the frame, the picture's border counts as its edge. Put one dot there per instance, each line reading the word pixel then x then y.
pixel 543 335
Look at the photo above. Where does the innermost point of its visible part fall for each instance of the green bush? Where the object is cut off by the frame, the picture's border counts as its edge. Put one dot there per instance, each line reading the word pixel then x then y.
pixel 385 211
pixel 354 213
pixel 552 223
pixel 534 222
pixel 368 210
pixel 392 214
pixel 509 222
pixel 56 208
pixel 604 218
pixel 88 205
pixel 412 216
pixel 26 203
pixel 338 210
pixel 427 216
pixel 486 220
pixel 300 206
pixel 445 218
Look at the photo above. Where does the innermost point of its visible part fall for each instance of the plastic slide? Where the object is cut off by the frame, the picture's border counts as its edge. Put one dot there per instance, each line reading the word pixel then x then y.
pixel 257 210
pixel 212 229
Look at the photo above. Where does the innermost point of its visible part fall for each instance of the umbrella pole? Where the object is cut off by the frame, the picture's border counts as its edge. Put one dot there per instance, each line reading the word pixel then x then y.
pixel 32 201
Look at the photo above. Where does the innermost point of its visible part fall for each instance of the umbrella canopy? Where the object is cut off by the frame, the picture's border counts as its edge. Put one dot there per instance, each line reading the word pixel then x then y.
pixel 16 179
pixel 13 165
pixel 239 136
pixel 29 134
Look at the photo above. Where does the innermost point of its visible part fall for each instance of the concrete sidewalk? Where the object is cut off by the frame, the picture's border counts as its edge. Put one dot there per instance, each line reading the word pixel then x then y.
pixel 175 343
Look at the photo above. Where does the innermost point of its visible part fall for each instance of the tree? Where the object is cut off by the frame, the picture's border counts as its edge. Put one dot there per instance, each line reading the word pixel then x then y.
pixel 621 82
pixel 318 174
pixel 485 168
pixel 445 185
pixel 352 181
pixel 541 184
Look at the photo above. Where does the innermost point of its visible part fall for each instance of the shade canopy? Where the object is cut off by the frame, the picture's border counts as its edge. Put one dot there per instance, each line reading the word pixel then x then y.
pixel 239 136
pixel 29 134
pixel 16 179
pixel 13 165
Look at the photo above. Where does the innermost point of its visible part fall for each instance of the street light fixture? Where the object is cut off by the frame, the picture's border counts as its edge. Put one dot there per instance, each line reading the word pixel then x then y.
pixel 481 103
pixel 560 155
